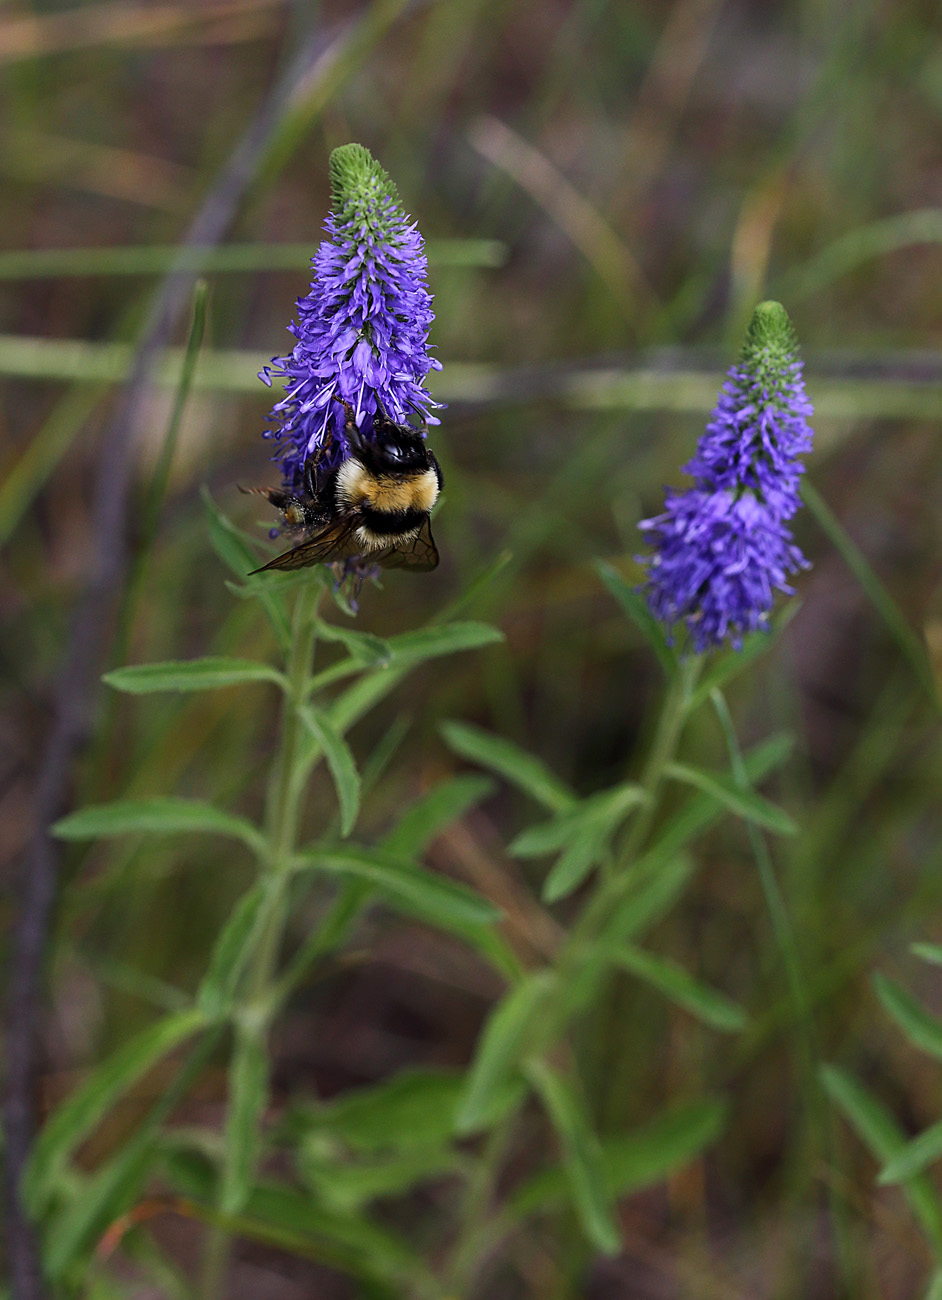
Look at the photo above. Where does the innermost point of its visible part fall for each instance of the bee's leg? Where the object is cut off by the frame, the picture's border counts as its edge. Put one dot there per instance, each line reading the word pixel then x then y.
pixel 351 420
pixel 310 476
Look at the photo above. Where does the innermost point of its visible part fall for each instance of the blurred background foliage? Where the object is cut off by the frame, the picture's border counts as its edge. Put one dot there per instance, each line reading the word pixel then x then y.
pixel 644 173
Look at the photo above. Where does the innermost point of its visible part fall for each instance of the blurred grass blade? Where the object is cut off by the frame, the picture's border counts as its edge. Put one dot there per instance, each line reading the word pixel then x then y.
pixel 156 259
pixel 902 230
pixel 429 815
pixel 582 1155
pixel 636 607
pixel 738 799
pixel 635 1160
pixel 527 773
pixel 161 815
pixel 208 674
pixel 340 761
pixel 923 1030
pixel 230 953
pixel 248 1097
pixel 934 1291
pixel 506 1037
pixel 157 486
pixel 879 1132
pixel 706 1004
pixel 907 640
pixel 24 478
pixel 413 888
pixel 641 910
pixel 931 952
pixel 88 1104
pixel 916 1155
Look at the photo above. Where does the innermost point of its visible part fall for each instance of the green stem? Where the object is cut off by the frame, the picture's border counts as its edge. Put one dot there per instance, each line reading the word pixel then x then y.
pixel 476 1226
pixel 282 807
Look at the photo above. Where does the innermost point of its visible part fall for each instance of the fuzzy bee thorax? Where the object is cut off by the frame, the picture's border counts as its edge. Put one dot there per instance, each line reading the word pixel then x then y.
pixel 359 487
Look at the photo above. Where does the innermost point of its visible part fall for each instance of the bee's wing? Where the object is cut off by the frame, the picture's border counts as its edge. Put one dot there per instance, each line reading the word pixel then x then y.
pixel 335 541
pixel 420 555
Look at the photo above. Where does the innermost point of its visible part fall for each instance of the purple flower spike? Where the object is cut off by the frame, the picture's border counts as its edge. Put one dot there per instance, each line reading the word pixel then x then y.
pixel 722 548
pixel 362 330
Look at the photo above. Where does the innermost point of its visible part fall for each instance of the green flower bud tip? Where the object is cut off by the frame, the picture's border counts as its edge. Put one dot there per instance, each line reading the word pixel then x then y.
pixel 359 186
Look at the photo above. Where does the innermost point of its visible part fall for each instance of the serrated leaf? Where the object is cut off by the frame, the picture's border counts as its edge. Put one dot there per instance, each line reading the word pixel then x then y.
pixel 880 1133
pixel 636 607
pixel 915 1156
pixel 160 815
pixel 744 802
pixel 505 1038
pixel 412 888
pixel 526 772
pixel 82 1111
pixel 248 1097
pixel 231 951
pixel 921 1028
pixel 208 674
pixel 634 1160
pixel 439 807
pixel 700 1000
pixel 582 1155
pixel 606 809
pixel 340 761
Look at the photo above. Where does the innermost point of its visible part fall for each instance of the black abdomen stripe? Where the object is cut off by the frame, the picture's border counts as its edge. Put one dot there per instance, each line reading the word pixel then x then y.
pixel 391 523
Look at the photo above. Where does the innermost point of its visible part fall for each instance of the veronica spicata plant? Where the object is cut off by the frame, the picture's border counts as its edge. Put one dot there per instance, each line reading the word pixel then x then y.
pixel 723 547
pixel 363 327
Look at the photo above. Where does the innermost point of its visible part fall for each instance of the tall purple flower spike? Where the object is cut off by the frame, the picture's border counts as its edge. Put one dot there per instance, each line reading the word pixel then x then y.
pixel 722 548
pixel 362 330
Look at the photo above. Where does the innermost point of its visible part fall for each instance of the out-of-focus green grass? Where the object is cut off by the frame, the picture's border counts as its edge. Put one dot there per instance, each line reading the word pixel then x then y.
pixel 650 171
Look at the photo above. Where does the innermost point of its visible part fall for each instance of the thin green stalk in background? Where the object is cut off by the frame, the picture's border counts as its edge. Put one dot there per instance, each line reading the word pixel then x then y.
pixel 249 1067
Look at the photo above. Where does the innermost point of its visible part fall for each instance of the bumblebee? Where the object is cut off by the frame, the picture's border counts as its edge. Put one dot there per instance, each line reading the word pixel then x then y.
pixel 375 504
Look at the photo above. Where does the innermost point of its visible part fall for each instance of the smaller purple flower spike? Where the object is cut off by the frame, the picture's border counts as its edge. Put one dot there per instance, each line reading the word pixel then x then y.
pixel 722 548
pixel 362 330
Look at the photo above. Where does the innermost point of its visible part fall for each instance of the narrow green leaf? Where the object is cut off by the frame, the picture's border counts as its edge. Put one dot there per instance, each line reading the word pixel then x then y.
pixel 931 952
pixel 527 773
pixel 238 553
pixel 606 809
pixel 880 1133
pixel 413 1109
pixel 349 1185
pixel 439 807
pixel 916 1155
pixel 636 607
pixel 575 862
pixel 934 1291
pixel 582 1155
pixel 922 1029
pixel 745 803
pixel 507 1035
pixel 412 888
pixel 82 1111
pixel 434 641
pixel 161 815
pixel 705 1003
pixel 231 951
pixel 641 909
pixel 248 1097
pixel 896 624
pixel 207 674
pixel 634 1160
pixel 365 648
pixel 341 763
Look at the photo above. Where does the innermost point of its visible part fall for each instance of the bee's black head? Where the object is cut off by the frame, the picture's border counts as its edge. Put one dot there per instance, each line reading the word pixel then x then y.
pixel 395 448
